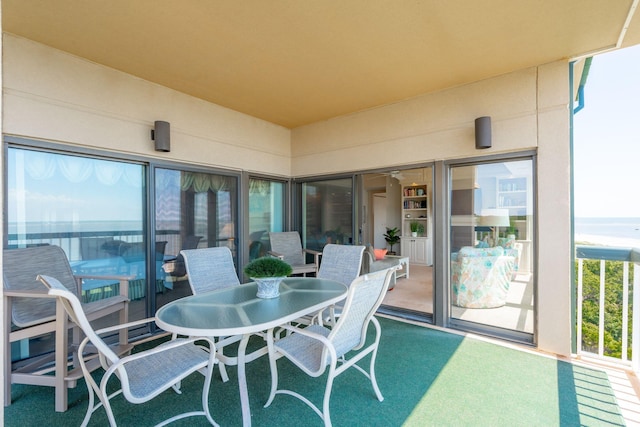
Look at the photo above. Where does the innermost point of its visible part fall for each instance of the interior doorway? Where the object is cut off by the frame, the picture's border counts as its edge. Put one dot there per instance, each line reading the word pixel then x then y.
pixel 379 219
pixel 402 200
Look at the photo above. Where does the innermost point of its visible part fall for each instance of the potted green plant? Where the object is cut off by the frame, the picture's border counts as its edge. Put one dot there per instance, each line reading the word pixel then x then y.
pixel 392 236
pixel 414 226
pixel 267 272
pixel 420 229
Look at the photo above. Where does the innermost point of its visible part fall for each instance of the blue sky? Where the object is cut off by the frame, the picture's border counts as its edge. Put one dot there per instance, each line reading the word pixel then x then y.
pixel 607 138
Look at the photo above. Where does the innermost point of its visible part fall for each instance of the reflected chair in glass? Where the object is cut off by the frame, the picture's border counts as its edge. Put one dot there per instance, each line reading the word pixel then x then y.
pixel 142 375
pixel 315 347
pixel 174 264
pixel 481 277
pixel 288 247
pixel 34 313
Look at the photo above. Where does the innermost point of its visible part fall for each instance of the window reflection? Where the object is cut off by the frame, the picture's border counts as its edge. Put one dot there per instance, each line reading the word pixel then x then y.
pixel 491 238
pixel 327 213
pixel 192 210
pixel 266 214
pixel 93 209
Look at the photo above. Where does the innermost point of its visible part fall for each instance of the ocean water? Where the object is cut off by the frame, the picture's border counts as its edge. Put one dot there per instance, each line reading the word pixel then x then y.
pixel 615 231
pixel 603 228
pixel 75 227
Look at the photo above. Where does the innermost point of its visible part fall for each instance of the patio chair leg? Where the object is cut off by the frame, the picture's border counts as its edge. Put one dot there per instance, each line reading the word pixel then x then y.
pixel 61 357
pixel 221 366
pixel 223 372
pixel 7 350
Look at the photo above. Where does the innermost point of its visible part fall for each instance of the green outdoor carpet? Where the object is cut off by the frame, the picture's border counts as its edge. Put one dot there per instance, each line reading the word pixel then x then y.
pixel 428 378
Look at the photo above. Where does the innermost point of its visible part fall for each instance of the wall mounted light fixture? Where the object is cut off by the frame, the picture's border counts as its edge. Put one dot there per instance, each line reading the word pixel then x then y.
pixel 161 135
pixel 483 132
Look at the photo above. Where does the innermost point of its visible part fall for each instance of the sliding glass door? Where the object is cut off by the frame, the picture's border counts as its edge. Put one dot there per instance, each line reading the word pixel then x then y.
pixel 94 209
pixel 327 212
pixel 491 247
pixel 192 210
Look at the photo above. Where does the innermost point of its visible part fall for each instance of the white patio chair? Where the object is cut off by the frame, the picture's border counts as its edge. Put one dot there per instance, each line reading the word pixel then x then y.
pixel 315 347
pixel 34 313
pixel 142 375
pixel 341 263
pixel 287 246
pixel 209 269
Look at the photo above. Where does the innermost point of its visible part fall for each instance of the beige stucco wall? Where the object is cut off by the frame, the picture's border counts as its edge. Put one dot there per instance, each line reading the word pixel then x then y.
pixel 51 95
pixel 430 127
pixel 554 210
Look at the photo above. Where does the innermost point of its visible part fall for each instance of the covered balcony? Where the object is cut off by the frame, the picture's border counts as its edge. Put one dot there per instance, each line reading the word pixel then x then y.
pixel 277 115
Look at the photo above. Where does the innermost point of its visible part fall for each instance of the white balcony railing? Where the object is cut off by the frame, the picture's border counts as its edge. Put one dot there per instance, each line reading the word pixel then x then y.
pixel 608 309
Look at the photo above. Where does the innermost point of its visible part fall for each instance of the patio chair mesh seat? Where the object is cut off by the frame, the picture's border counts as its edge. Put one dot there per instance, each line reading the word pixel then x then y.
pixel 307 351
pixel 209 269
pixel 145 381
pixel 341 263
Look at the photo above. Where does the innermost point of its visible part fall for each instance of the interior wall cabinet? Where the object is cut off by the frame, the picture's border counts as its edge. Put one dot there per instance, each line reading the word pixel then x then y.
pixel 418 249
pixel 415 210
pixel 512 195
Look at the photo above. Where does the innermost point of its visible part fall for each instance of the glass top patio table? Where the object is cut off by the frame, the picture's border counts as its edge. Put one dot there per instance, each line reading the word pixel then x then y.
pixel 238 311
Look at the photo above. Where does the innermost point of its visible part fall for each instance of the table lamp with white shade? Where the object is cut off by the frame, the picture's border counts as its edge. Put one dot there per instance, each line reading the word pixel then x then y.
pixel 494 218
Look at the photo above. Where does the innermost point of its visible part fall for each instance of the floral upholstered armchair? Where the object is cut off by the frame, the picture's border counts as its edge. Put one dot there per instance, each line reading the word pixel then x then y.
pixel 511 248
pixel 480 277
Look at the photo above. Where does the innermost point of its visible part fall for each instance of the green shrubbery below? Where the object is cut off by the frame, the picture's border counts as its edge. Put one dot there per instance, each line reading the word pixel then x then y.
pixel 612 307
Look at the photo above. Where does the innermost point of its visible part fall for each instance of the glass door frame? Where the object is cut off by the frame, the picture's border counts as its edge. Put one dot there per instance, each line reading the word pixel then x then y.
pixel 366 236
pixel 297 201
pixel 154 164
pixel 442 249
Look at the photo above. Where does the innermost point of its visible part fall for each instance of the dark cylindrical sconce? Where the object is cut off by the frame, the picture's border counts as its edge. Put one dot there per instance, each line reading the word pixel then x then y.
pixel 160 134
pixel 483 132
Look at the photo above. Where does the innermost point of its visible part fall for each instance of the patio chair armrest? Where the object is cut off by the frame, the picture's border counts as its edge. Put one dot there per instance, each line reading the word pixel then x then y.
pixel 312 251
pixel 123 280
pixel 316 255
pixel 275 254
pixel 12 293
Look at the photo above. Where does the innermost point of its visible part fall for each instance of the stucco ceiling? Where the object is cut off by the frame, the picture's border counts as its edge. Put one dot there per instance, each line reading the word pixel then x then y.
pixel 295 62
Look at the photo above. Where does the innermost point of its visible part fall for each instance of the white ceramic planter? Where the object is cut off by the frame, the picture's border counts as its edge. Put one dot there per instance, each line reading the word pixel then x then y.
pixel 268 287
